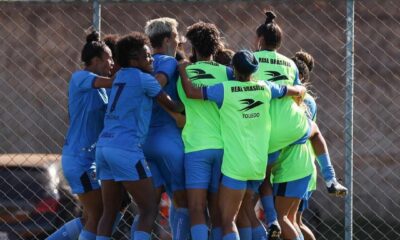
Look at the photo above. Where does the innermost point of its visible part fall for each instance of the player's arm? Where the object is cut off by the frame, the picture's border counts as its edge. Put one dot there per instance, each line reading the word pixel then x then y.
pixel 103 82
pixel 279 91
pixel 190 90
pixel 168 104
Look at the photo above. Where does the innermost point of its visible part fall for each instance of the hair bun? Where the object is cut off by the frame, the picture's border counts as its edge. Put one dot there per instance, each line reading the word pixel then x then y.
pixel 270 17
pixel 93 37
pixel 306 58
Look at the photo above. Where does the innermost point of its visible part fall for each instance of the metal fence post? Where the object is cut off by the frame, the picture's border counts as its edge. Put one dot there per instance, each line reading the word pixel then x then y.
pixel 97 15
pixel 349 119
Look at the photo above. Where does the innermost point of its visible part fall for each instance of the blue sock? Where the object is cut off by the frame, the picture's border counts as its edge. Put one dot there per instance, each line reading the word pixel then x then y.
pixel 102 238
pixel 171 218
pixel 181 224
pixel 231 236
pixel 216 233
pixel 269 209
pixel 259 233
pixel 134 224
pixel 199 232
pixel 140 235
pixel 118 219
pixel 325 164
pixel 70 231
pixel 297 238
pixel 86 235
pixel 301 236
pixel 245 233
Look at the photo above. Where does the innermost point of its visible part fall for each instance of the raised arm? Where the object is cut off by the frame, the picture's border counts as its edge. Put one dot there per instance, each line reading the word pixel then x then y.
pixel 103 82
pixel 190 90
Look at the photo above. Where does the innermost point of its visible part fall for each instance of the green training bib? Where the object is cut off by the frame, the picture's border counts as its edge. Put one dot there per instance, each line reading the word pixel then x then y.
pixel 202 129
pixel 289 123
pixel 245 129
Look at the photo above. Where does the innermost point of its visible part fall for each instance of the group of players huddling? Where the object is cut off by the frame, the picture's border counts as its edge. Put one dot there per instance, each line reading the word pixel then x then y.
pixel 216 134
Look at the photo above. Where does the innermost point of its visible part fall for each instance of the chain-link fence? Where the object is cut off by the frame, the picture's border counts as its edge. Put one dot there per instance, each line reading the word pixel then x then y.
pixel 40 48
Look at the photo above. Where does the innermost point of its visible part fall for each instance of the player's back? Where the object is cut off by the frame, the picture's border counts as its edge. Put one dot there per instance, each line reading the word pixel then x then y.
pixel 86 109
pixel 202 128
pixel 288 119
pixel 166 65
pixel 128 113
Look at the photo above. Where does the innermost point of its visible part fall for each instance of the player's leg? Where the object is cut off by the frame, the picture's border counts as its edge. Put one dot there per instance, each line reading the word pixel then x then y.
pixel 328 172
pixel 243 223
pixel 231 193
pixel 198 169
pixel 250 201
pixel 213 204
pixel 306 231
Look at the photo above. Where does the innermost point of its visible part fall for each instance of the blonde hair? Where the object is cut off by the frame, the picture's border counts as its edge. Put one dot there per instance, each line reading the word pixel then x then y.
pixel 160 26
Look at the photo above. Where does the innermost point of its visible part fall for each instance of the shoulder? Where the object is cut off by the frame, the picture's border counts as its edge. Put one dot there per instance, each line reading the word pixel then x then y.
pixel 161 58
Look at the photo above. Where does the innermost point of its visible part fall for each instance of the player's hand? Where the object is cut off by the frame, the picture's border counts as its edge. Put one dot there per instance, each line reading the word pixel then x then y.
pixel 183 65
pixel 180 120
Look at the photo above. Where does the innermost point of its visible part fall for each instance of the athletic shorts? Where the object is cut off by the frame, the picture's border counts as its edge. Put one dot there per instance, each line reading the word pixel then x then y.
pixel 293 189
pixel 203 169
pixel 80 173
pixel 272 157
pixel 121 165
pixel 304 202
pixel 165 156
pixel 241 185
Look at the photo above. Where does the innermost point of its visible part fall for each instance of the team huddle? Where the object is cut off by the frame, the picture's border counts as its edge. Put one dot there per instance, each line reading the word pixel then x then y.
pixel 217 132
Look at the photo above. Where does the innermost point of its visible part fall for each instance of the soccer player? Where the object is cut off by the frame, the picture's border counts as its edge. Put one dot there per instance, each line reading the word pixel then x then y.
pixel 277 68
pixel 119 155
pixel 87 100
pixel 245 127
pixel 164 147
pixel 201 134
pixel 111 41
pixel 305 63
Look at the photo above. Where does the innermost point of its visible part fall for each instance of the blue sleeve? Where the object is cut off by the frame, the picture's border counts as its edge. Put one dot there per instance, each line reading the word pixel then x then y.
pixel 84 80
pixel 311 107
pixel 230 73
pixel 214 93
pixel 277 91
pixel 296 78
pixel 168 68
pixel 150 85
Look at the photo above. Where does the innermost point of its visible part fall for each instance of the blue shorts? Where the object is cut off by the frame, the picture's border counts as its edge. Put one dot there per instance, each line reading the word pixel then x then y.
pixel 203 169
pixel 293 189
pixel 165 156
pixel 241 185
pixel 121 165
pixel 304 202
pixel 272 157
pixel 80 173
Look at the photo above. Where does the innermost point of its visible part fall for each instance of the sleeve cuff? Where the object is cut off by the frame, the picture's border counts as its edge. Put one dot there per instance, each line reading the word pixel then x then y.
pixel 204 90
pixel 284 91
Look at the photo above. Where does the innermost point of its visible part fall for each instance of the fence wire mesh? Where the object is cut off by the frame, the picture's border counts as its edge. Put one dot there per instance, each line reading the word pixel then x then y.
pixel 40 48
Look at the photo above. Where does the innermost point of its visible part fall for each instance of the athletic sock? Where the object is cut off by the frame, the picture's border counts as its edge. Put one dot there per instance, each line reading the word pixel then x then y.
pixel 199 232
pixel 216 233
pixel 181 224
pixel 259 233
pixel 69 231
pixel 140 235
pixel 102 238
pixel 231 236
pixel 328 173
pixel 245 233
pixel 171 219
pixel 269 209
pixel 118 219
pixel 86 235
pixel 135 224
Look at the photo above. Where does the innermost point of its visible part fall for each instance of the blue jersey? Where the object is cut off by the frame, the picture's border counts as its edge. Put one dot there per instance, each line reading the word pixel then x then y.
pixel 86 107
pixel 167 65
pixel 129 111
pixel 311 105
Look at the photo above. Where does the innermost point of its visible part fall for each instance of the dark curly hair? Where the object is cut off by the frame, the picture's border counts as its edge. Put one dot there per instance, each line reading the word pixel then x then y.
pixel 93 48
pixel 128 47
pixel 270 31
pixel 204 37
pixel 111 41
pixel 305 63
